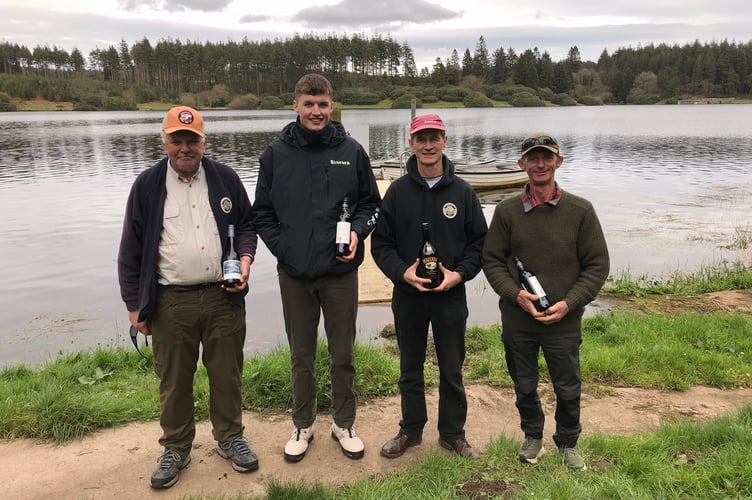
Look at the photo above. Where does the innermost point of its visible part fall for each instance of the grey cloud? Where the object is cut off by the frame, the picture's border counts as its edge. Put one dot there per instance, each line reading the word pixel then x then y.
pixel 177 5
pixel 253 18
pixel 590 41
pixel 353 14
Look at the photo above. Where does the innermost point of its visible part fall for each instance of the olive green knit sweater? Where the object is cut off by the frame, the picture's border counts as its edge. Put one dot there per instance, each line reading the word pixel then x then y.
pixel 562 245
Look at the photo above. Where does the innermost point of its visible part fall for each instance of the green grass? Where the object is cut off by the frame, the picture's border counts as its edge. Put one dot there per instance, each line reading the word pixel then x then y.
pixel 81 393
pixel 706 460
pixel 78 394
pixel 735 275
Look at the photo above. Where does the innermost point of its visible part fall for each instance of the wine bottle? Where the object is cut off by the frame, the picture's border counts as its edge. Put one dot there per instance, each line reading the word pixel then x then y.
pixel 531 284
pixel 428 267
pixel 342 238
pixel 231 262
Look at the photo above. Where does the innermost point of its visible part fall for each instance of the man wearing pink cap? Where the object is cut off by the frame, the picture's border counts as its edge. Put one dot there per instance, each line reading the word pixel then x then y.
pixel 430 193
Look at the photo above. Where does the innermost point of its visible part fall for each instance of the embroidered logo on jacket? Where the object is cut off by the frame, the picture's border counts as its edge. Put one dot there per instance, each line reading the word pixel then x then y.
pixel 344 163
pixel 450 210
pixel 226 204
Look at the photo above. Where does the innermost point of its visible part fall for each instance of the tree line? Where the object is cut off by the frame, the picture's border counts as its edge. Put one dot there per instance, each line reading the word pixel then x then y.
pixel 369 69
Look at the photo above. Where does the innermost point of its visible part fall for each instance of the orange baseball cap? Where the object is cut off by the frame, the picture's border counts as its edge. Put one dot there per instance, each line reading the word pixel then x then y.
pixel 183 118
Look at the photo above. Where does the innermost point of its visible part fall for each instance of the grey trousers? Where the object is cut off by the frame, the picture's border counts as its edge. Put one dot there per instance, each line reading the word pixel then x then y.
pixel 303 302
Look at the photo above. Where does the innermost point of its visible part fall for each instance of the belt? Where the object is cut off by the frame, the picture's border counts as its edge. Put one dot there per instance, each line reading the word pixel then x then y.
pixel 191 288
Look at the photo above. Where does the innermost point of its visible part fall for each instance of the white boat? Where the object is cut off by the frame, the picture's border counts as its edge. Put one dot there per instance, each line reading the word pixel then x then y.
pixel 483 174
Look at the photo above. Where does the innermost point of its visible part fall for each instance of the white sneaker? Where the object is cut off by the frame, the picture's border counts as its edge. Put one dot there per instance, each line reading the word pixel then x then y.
pixel 351 444
pixel 296 447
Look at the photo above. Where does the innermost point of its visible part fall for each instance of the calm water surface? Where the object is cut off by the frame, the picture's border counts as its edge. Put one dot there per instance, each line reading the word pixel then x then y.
pixel 671 184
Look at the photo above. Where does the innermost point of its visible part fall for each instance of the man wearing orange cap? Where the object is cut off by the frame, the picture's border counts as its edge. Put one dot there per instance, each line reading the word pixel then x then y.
pixel 175 235
pixel 430 193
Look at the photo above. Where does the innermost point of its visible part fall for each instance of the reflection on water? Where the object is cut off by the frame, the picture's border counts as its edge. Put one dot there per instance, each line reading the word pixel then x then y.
pixel 671 185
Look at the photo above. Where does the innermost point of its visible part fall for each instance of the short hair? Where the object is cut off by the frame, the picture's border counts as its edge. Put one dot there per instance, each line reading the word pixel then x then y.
pixel 313 84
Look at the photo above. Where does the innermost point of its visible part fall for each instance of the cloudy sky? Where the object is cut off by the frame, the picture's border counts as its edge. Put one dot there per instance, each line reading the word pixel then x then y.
pixel 433 28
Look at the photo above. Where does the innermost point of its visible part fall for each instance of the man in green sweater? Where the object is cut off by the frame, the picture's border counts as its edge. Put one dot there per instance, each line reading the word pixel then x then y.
pixel 558 237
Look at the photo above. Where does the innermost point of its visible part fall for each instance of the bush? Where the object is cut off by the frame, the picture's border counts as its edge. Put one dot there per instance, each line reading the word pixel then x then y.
pixel 645 99
pixel 405 102
pixel 350 96
pixel 288 98
pixel 453 94
pixel 563 99
pixel 429 98
pixel 506 92
pixel 477 100
pixel 526 100
pixel 590 100
pixel 271 102
pixel 397 92
pixel 247 101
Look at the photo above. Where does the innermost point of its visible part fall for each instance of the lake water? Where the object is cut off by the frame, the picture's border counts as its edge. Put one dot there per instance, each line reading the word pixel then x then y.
pixel 671 184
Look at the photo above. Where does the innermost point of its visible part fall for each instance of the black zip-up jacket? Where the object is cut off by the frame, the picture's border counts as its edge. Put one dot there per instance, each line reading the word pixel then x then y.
pixel 142 229
pixel 303 178
pixel 455 217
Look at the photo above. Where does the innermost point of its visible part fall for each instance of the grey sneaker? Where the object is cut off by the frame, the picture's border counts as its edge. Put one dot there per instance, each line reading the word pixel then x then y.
pixel 531 450
pixel 238 452
pixel 572 458
pixel 168 470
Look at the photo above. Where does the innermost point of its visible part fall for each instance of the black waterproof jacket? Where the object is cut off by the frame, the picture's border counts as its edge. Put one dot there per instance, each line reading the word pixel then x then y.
pixel 455 217
pixel 303 178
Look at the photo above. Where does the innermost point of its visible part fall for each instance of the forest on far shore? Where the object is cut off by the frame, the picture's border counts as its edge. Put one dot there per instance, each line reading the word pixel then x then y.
pixel 375 71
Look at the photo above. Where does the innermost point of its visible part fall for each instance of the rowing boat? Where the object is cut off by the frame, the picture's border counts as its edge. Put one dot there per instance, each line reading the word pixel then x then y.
pixel 483 174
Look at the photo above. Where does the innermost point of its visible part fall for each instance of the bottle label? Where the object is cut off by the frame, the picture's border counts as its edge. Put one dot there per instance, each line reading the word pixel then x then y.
pixel 537 289
pixel 231 270
pixel 343 233
pixel 430 263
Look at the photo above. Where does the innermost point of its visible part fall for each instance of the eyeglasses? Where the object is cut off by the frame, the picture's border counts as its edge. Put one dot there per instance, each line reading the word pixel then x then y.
pixel 543 140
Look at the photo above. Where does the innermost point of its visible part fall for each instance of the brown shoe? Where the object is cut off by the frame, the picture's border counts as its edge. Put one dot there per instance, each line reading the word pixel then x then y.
pixel 397 446
pixel 461 447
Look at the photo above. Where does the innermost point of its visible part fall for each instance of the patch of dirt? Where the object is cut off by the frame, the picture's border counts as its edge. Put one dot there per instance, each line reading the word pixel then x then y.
pixel 117 463
pixel 734 301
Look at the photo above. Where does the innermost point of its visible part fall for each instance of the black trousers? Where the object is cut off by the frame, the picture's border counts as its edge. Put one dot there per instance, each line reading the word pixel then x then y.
pixel 446 312
pixel 562 354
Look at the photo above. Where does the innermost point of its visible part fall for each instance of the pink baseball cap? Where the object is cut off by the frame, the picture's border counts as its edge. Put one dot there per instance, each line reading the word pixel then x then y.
pixel 423 122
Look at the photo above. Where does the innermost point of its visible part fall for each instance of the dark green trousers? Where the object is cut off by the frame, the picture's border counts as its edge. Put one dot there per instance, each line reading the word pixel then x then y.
pixel 188 322
pixel 303 302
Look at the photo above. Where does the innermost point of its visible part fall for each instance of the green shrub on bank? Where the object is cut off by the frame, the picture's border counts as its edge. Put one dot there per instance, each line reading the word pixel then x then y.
pixel 477 100
pixel 271 102
pixel 589 100
pixel 526 100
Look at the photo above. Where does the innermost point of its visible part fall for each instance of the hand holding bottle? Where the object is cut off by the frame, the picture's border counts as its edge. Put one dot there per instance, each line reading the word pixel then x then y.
pixel 450 279
pixel 245 273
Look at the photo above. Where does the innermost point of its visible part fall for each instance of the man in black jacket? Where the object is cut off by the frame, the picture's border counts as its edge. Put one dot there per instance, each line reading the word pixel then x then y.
pixel 430 192
pixel 304 176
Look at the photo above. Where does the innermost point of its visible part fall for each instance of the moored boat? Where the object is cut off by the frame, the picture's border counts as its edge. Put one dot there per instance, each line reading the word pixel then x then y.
pixel 483 174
